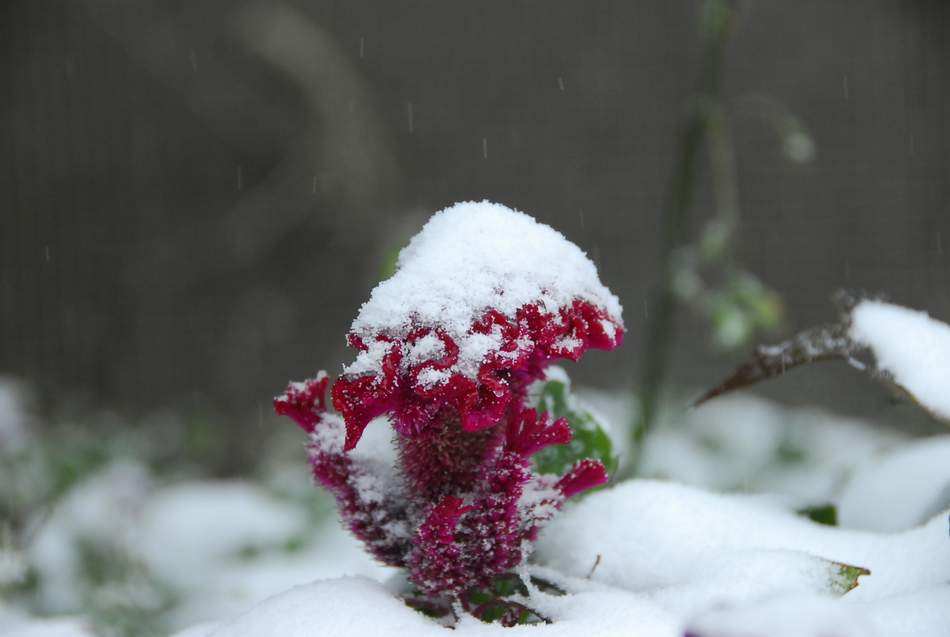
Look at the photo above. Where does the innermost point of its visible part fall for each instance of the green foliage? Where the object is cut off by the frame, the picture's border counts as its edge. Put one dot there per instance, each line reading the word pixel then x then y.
pixel 790 453
pixel 844 577
pixel 590 438
pixel 742 307
pixel 495 603
pixel 501 601
pixel 120 594
pixel 826 514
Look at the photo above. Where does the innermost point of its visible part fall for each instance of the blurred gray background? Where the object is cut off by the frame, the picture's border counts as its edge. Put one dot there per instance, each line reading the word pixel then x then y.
pixel 195 197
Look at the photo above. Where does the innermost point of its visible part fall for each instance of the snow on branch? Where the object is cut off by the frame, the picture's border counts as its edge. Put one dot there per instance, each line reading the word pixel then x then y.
pixel 909 351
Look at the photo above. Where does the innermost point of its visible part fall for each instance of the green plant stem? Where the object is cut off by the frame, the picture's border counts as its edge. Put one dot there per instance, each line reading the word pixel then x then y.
pixel 661 331
pixel 722 164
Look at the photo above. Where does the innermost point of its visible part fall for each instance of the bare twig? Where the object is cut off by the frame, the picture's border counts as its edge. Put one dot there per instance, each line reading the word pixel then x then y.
pixel 827 342
pixel 593 568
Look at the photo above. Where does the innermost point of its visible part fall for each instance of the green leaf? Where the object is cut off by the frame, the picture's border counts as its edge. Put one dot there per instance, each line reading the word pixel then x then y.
pixel 590 438
pixel 844 577
pixel 826 514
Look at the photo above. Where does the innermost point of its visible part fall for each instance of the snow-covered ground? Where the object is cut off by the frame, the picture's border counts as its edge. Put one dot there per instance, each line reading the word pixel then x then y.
pixel 233 558
pixel 657 559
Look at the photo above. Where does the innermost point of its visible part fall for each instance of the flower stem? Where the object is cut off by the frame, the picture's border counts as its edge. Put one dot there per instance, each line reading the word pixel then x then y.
pixel 718 19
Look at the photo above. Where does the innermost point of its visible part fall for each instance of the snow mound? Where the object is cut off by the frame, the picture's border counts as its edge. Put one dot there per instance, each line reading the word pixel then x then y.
pixel 347 606
pixel 191 527
pixel 358 607
pixel 674 561
pixel 104 509
pixel 900 489
pixel 235 585
pixel 469 258
pixel 660 532
pixel 924 613
pixel 911 346
pixel 58 627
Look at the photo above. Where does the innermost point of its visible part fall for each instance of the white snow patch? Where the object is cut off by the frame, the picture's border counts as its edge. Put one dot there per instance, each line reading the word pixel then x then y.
pixel 740 577
pixel 351 606
pixel 377 444
pixel 43 627
pixel 658 532
pixel 329 436
pixel 430 377
pixel 234 586
pixel 369 360
pixel 671 557
pixel 358 607
pixel 427 348
pixel 104 509
pixel 911 346
pixel 799 616
pixel 923 614
pixel 199 630
pixel 900 489
pixel 189 529
pixel 468 258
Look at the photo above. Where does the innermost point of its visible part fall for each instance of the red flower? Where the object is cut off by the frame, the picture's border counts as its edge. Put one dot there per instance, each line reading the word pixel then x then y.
pixel 463 503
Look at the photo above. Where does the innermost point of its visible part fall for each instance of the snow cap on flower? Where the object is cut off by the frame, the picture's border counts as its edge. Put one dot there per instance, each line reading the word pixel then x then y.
pixel 482 293
pixel 483 300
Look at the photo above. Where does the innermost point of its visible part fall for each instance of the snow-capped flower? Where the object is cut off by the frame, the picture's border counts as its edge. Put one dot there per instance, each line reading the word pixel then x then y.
pixel 483 299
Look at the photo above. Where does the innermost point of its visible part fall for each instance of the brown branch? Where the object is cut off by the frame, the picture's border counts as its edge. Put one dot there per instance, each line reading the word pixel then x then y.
pixel 824 343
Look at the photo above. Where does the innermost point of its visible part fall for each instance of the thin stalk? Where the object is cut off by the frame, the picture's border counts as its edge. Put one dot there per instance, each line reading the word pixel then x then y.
pixel 719 233
pixel 661 330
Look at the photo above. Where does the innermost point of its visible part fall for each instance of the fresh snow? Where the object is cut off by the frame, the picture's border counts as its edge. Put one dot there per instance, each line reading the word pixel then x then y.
pixel 909 345
pixel 192 536
pixel 468 258
pixel 103 509
pixel 235 585
pixel 37 627
pixel 189 528
pixel 358 607
pixel 672 559
pixel 900 489
pixel 655 534
pixel 922 614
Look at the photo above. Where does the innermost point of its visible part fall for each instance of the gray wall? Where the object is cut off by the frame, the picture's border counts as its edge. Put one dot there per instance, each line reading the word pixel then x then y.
pixel 195 197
